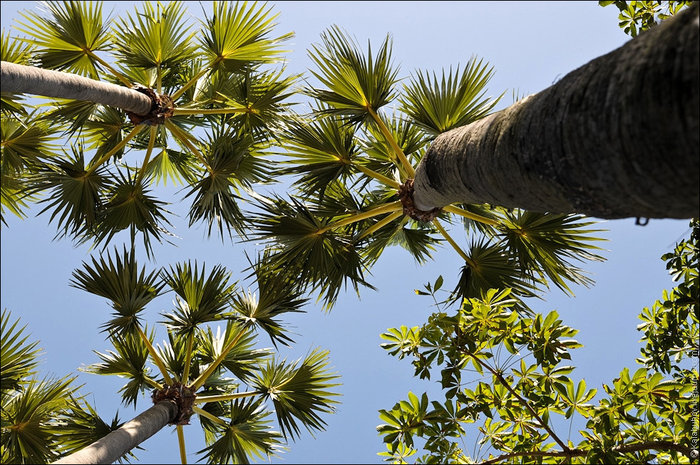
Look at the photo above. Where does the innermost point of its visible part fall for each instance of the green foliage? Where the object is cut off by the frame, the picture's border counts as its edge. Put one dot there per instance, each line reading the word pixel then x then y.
pixel 639 16
pixel 521 388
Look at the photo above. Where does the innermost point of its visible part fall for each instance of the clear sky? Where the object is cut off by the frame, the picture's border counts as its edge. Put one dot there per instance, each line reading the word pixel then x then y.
pixel 530 44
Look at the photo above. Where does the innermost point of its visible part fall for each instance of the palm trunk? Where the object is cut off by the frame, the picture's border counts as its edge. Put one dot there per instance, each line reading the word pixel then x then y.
pixel 615 138
pixel 131 434
pixel 28 79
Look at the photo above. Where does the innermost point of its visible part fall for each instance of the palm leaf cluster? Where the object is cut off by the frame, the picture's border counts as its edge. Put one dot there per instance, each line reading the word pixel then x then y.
pixel 230 98
pixel 211 349
pixel 45 418
pixel 350 157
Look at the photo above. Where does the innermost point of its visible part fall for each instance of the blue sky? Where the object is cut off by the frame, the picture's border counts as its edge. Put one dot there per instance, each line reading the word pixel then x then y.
pixel 530 45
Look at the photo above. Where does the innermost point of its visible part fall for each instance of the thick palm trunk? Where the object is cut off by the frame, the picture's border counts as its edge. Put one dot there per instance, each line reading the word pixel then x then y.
pixel 617 137
pixel 30 80
pixel 131 434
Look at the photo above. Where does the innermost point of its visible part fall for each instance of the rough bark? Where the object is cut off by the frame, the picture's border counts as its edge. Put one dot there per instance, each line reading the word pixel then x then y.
pixel 617 137
pixel 21 79
pixel 131 434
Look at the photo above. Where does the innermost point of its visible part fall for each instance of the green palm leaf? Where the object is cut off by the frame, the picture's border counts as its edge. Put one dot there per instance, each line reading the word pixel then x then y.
pixel 28 434
pixel 68 39
pixel 246 435
pixel 74 195
pixel 355 83
pixel 438 105
pixel 382 159
pixel 173 352
pixel 491 267
pixel 18 359
pixel 326 260
pixel 300 391
pixel 322 151
pixel 128 360
pixel 278 293
pixel 175 165
pixel 237 35
pixel 544 244
pixel 121 282
pixel 413 236
pixel 200 298
pixel 72 115
pixel 154 37
pixel 13 50
pixel 104 128
pixel 129 205
pixel 242 360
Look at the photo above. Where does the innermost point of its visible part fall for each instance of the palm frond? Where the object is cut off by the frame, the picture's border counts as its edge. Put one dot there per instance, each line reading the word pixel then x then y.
pixel 247 434
pixel 492 267
pixel 201 298
pixel 175 165
pixel 545 245
pixel 154 37
pixel 25 143
pixel 278 293
pixel 300 392
pixel 413 236
pixel 242 360
pixel 327 260
pixel 28 435
pixel 18 358
pixel 379 155
pixel 71 115
pixel 355 83
pixel 73 195
pixel 173 352
pixel 322 151
pixel 120 281
pixel 438 105
pixel 104 129
pixel 127 360
pixel 13 50
pixel 238 35
pixel 68 38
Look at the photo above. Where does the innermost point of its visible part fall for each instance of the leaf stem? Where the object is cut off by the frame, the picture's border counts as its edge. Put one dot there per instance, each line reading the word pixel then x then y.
pixel 146 159
pixel 222 397
pixel 379 177
pixel 115 149
pixel 202 378
pixel 380 224
pixel 180 135
pixel 196 77
pixel 204 413
pixel 181 444
pixel 392 142
pixel 470 215
pixel 156 358
pixel 386 208
pixel 188 358
pixel 454 245
pixel 207 111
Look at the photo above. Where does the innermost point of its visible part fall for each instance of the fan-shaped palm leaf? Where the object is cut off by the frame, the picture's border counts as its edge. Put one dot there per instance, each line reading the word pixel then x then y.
pixel 129 205
pixel 322 151
pixel 413 236
pixel 25 143
pixel 121 282
pixel 322 257
pixel 355 83
pixel 490 266
pixel 175 165
pixel 104 129
pixel 28 436
pixel 278 293
pixel 300 391
pixel 18 358
pixel 173 353
pixel 74 193
pixel 242 359
pixel 201 298
pixel 68 39
pixel 154 37
pixel 71 115
pixel 544 243
pixel 382 159
pixel 128 360
pixel 246 435
pixel 438 105
pixel 238 34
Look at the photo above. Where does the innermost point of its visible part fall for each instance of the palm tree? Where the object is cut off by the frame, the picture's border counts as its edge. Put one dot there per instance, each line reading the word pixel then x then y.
pixel 617 137
pixel 355 167
pixel 214 373
pixel 42 418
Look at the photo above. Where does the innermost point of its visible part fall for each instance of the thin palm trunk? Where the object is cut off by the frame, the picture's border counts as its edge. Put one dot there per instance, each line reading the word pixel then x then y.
pixel 131 434
pixel 21 79
pixel 615 138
